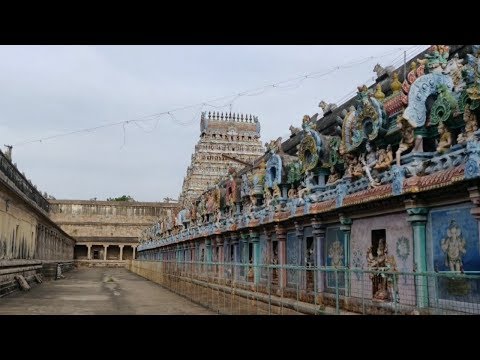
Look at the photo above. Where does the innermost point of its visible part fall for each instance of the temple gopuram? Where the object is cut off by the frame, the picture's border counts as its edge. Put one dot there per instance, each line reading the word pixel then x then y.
pixel 223 137
pixel 372 204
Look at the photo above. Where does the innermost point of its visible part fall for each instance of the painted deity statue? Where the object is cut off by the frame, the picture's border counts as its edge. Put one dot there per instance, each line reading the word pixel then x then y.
pixel 384 159
pixel 307 124
pixel 245 188
pixel 471 126
pixel 267 196
pixel 445 138
pixel 307 184
pixel 275 262
pixel 454 247
pixel 355 168
pixel 333 177
pixel 408 137
pixel 368 161
pixel 436 59
pixel 276 191
pixel 292 193
pixel 381 262
pixel 259 176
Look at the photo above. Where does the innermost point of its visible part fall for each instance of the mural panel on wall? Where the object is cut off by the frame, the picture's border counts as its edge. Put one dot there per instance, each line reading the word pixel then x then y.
pixel 335 256
pixel 456 248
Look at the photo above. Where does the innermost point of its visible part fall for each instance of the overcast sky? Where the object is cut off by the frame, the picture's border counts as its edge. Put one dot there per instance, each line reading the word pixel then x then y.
pixel 50 90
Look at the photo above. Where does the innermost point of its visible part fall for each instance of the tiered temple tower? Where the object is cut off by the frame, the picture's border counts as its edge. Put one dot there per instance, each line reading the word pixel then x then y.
pixel 235 135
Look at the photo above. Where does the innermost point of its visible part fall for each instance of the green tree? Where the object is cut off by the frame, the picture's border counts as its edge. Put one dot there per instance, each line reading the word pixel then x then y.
pixel 122 198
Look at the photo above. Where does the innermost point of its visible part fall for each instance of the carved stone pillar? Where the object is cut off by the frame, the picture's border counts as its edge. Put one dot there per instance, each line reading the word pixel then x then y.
pixel 256 256
pixel 417 216
pixel 121 252
pixel 208 256
pixel 282 255
pixel 245 259
pixel 236 255
pixel 105 252
pixel 346 227
pixel 208 250
pixel 300 274
pixel 226 257
pixel 319 236
pixel 219 246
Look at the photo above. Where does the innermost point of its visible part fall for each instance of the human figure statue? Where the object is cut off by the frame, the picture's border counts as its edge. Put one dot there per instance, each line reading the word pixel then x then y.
pixel 355 168
pixel 454 247
pixel 445 138
pixel 368 161
pixel 245 189
pixel 307 184
pixel 250 270
pixel 385 158
pixel 471 126
pixel 276 191
pixel 259 176
pixel 275 262
pixel 309 258
pixel 292 193
pixel 267 196
pixel 334 176
pixel 218 218
pixel 408 137
pixel 378 263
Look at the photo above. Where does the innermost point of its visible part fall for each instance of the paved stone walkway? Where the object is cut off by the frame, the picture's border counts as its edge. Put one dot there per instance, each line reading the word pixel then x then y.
pixel 99 291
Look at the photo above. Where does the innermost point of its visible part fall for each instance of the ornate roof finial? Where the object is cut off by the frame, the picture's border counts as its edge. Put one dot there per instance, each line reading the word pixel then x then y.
pixel 395 84
pixel 221 116
pixel 241 116
pixel 413 66
pixel 230 116
pixel 379 95
pixel 209 114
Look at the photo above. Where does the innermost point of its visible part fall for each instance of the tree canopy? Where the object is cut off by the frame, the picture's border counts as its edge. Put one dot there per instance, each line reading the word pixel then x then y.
pixel 122 198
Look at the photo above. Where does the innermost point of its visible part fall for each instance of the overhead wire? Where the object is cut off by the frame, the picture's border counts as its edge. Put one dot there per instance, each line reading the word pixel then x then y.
pixel 262 90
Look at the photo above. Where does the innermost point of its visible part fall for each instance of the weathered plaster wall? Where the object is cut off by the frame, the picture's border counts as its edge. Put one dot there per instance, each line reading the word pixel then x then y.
pixel 17 230
pixel 26 234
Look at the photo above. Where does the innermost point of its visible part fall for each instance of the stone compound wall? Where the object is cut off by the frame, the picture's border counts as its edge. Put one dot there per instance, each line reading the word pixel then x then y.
pixel 106 219
pixel 29 240
pixel 27 233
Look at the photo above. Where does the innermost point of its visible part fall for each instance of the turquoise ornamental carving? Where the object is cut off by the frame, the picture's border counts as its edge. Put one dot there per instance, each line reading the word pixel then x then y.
pixel 444 106
pixel 472 169
pixel 420 90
